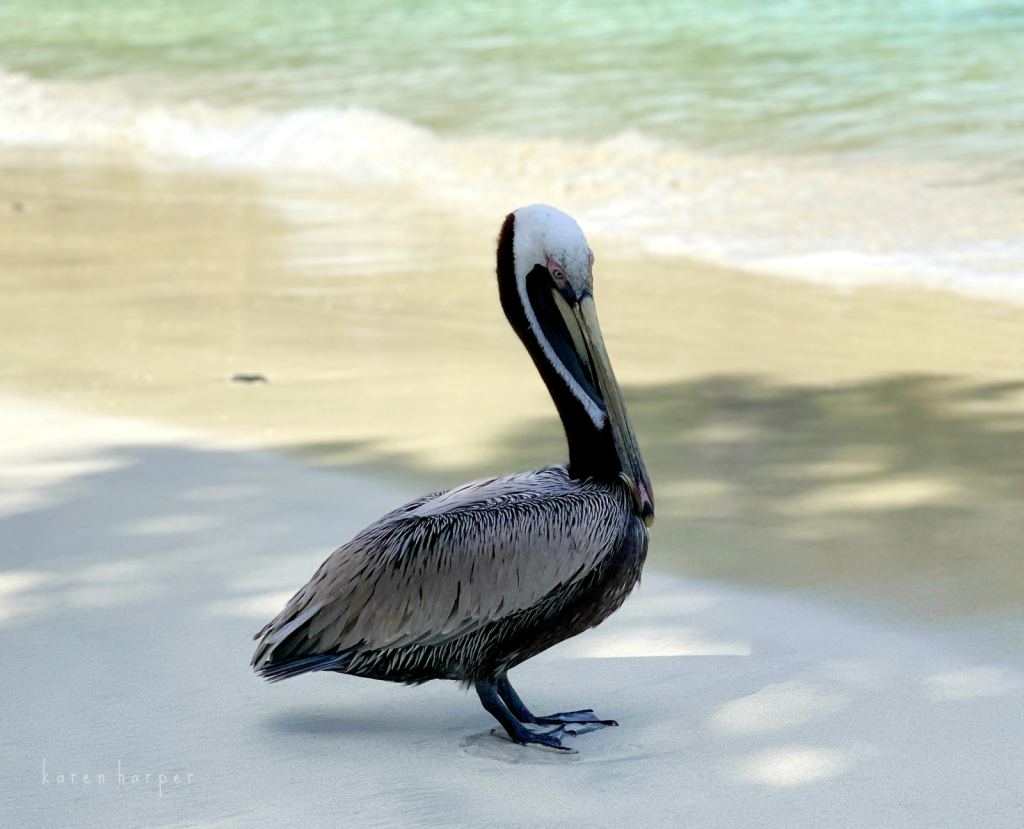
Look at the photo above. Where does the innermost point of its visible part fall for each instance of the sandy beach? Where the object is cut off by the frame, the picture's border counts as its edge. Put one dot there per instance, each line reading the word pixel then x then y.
pixel 828 627
pixel 248 305
pixel 140 558
pixel 859 444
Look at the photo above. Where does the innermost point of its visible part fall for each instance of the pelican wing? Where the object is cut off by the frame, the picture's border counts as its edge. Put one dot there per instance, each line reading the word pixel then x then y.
pixel 448 563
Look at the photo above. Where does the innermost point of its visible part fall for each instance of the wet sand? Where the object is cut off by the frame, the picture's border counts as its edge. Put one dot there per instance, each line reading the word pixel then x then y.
pixel 865 444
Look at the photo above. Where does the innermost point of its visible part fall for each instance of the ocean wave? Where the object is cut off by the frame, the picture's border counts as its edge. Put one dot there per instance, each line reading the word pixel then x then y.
pixel 833 220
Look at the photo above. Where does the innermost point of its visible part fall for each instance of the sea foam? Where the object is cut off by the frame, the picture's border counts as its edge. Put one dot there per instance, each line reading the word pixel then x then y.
pixel 837 220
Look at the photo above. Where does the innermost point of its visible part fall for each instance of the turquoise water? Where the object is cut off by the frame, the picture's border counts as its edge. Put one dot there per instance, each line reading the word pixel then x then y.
pixel 945 78
pixel 899 126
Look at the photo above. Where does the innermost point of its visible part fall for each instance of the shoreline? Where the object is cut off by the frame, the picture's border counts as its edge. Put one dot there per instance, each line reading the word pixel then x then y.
pixel 933 219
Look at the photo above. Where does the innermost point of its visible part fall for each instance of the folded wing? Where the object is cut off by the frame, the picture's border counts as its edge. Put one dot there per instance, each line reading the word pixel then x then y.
pixel 442 566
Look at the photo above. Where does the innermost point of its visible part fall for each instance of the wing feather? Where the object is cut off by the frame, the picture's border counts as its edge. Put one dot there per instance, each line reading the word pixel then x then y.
pixel 448 563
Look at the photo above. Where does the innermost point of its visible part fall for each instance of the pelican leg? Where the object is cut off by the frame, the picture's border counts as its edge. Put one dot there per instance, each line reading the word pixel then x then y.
pixel 584 720
pixel 516 731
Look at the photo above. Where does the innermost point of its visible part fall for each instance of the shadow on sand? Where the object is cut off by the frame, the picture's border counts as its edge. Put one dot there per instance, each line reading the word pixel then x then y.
pixel 907 488
pixel 133 577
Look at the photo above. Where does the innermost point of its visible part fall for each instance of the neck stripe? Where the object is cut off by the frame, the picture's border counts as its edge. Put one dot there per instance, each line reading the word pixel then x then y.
pixel 596 416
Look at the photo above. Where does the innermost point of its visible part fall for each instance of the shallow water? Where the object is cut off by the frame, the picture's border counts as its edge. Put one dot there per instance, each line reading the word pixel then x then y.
pixel 860 142
pixel 810 76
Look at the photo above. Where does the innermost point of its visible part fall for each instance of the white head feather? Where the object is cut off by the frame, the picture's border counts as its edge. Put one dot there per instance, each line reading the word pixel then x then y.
pixel 543 233
pixel 548 237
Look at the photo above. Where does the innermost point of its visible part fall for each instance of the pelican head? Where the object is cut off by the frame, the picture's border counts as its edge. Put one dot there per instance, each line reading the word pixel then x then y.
pixel 548 238
pixel 545 277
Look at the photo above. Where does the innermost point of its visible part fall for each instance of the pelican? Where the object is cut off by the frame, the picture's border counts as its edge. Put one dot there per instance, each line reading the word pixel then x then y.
pixel 468 583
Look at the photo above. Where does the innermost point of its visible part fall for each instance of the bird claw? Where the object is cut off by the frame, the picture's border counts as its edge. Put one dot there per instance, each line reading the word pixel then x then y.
pixel 543 740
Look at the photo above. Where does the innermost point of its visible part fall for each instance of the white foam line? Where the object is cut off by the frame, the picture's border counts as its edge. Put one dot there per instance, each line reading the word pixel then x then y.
pixel 837 222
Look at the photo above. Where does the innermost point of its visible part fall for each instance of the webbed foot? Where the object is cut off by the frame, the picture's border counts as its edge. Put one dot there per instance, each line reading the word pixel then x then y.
pixel 576 722
pixel 544 737
pixel 570 722
pixel 544 740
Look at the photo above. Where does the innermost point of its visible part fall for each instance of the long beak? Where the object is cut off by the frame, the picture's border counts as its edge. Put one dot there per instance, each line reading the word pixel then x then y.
pixel 592 350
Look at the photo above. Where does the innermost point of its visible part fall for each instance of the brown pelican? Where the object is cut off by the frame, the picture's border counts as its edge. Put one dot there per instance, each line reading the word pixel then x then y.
pixel 467 584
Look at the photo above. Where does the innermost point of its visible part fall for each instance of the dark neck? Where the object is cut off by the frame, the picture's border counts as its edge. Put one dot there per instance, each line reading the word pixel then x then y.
pixel 591 451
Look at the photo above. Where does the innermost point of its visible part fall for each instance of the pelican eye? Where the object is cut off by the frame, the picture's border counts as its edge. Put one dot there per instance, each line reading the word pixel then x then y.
pixel 557 273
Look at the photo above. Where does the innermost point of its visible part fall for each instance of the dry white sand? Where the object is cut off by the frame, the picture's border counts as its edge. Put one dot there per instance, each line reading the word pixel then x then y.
pixel 137 561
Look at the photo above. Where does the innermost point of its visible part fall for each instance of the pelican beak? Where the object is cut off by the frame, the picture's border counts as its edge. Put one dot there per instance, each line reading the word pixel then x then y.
pixel 581 320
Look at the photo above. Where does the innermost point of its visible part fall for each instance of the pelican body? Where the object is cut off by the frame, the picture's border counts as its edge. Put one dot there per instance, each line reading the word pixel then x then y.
pixel 468 583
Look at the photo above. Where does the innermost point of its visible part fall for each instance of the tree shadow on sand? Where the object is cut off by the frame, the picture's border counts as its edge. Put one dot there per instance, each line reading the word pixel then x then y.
pixel 909 485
